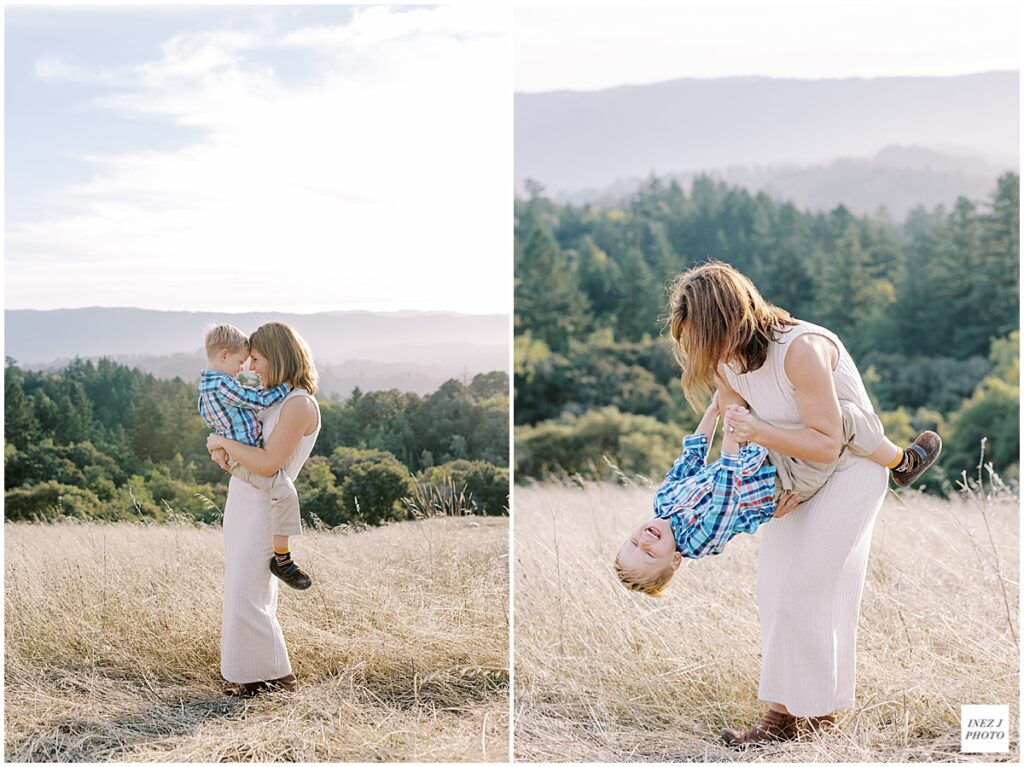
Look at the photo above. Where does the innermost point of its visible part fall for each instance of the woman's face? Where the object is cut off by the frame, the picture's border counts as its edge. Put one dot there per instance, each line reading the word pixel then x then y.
pixel 259 365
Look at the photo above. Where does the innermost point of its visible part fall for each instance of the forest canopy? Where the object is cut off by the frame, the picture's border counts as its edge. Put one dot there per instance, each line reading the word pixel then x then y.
pixel 928 307
pixel 102 440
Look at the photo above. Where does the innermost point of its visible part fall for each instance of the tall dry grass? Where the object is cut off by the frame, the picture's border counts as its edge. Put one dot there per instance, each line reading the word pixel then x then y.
pixel 603 674
pixel 112 638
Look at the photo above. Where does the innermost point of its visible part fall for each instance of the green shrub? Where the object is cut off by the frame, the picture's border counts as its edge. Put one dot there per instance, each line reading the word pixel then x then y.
pixel 371 484
pixel 578 445
pixel 486 485
pixel 50 500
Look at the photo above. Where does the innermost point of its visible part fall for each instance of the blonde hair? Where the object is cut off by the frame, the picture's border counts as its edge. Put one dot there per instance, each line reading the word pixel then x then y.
pixel 651 585
pixel 726 320
pixel 288 356
pixel 225 337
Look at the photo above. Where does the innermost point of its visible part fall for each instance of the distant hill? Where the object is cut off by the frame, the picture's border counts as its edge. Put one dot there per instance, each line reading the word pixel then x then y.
pixel 898 179
pixel 411 351
pixel 570 141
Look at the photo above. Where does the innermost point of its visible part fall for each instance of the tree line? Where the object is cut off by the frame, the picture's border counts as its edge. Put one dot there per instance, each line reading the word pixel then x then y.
pixel 102 440
pixel 928 307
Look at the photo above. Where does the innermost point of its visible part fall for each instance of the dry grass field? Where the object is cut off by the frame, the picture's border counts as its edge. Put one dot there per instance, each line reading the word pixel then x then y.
pixel 112 638
pixel 603 674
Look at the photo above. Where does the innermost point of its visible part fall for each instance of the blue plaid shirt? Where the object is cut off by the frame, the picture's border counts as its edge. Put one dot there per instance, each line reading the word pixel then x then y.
pixel 229 408
pixel 707 504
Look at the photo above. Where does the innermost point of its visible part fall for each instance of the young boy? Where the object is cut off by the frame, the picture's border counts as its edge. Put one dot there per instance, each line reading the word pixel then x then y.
pixel 701 507
pixel 229 408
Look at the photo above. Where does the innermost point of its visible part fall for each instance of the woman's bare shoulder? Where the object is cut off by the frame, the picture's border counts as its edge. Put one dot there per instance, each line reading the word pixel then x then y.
pixel 809 353
pixel 300 410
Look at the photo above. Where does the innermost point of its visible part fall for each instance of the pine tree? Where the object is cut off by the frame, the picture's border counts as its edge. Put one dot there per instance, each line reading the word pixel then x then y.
pixel 548 301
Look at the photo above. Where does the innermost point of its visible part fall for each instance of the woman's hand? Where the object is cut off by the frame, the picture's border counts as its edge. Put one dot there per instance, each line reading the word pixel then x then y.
pixel 786 503
pixel 741 424
pixel 216 442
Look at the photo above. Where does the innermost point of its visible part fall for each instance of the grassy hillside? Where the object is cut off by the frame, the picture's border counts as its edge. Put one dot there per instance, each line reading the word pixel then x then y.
pixel 112 638
pixel 603 674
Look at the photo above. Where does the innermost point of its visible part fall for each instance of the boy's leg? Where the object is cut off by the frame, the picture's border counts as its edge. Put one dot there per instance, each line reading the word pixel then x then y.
pixel 264 484
pixel 284 507
pixel 866 437
pixel 285 522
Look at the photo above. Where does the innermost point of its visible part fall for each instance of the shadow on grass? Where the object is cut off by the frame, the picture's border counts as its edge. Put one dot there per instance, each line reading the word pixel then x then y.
pixel 99 738
pixel 448 688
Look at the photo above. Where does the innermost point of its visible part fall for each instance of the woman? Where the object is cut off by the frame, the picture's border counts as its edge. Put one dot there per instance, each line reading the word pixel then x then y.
pixel 253 653
pixel 813 561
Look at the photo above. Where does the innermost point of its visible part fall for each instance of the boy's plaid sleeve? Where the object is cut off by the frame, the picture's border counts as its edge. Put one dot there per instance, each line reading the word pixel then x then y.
pixel 251 397
pixel 695 450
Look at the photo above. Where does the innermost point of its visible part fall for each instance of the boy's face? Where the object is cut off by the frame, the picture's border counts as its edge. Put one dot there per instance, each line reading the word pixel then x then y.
pixel 650 548
pixel 231 362
pixel 236 362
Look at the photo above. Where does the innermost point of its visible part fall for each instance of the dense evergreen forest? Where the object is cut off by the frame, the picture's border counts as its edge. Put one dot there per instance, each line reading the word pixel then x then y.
pixel 928 307
pixel 107 441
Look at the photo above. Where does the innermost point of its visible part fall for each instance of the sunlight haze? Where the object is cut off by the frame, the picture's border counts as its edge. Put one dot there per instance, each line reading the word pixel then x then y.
pixel 292 158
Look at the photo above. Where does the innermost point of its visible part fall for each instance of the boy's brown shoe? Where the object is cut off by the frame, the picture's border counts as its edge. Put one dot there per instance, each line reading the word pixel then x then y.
pixel 926 449
pixel 772 727
pixel 291 574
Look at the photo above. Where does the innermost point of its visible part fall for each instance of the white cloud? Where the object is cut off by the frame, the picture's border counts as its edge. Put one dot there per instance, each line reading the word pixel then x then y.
pixel 380 181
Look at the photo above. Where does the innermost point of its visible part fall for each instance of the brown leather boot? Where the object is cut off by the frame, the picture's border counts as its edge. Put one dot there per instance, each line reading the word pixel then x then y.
pixel 285 683
pixel 772 727
pixel 815 725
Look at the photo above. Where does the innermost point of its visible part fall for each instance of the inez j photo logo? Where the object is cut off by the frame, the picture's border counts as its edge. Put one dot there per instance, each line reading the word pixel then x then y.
pixel 984 729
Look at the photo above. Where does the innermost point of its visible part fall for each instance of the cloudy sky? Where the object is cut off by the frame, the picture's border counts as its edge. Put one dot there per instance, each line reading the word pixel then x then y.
pixel 246 158
pixel 581 47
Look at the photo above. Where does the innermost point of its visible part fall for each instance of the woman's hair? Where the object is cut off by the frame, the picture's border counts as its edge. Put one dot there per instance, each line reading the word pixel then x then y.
pixel 289 357
pixel 716 315
pixel 653 585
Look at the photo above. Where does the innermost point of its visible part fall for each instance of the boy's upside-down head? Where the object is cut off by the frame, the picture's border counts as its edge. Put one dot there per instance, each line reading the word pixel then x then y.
pixel 648 559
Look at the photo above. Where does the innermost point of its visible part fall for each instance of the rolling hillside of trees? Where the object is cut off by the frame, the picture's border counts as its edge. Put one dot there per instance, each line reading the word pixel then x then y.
pixel 575 140
pixel 102 440
pixel 927 307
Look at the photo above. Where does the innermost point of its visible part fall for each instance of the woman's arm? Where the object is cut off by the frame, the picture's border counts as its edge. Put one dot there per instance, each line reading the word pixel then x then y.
pixel 808 364
pixel 298 418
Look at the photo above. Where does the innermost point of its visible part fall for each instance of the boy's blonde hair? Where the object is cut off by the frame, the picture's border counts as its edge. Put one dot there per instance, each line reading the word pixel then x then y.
pixel 651 585
pixel 289 357
pixel 225 337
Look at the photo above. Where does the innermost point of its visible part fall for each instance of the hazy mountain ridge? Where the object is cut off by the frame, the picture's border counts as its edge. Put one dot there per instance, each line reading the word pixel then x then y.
pixel 570 141
pixel 411 351
pixel 898 179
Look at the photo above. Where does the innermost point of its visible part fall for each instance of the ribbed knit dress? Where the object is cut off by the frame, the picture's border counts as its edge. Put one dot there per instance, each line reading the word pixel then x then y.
pixel 252 647
pixel 810 575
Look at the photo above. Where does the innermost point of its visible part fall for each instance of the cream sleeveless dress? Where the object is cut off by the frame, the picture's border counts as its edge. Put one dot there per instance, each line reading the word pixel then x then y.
pixel 252 647
pixel 810 575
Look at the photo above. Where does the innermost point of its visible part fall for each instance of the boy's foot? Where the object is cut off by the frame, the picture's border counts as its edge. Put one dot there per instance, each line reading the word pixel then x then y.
pixel 290 574
pixel 917 458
